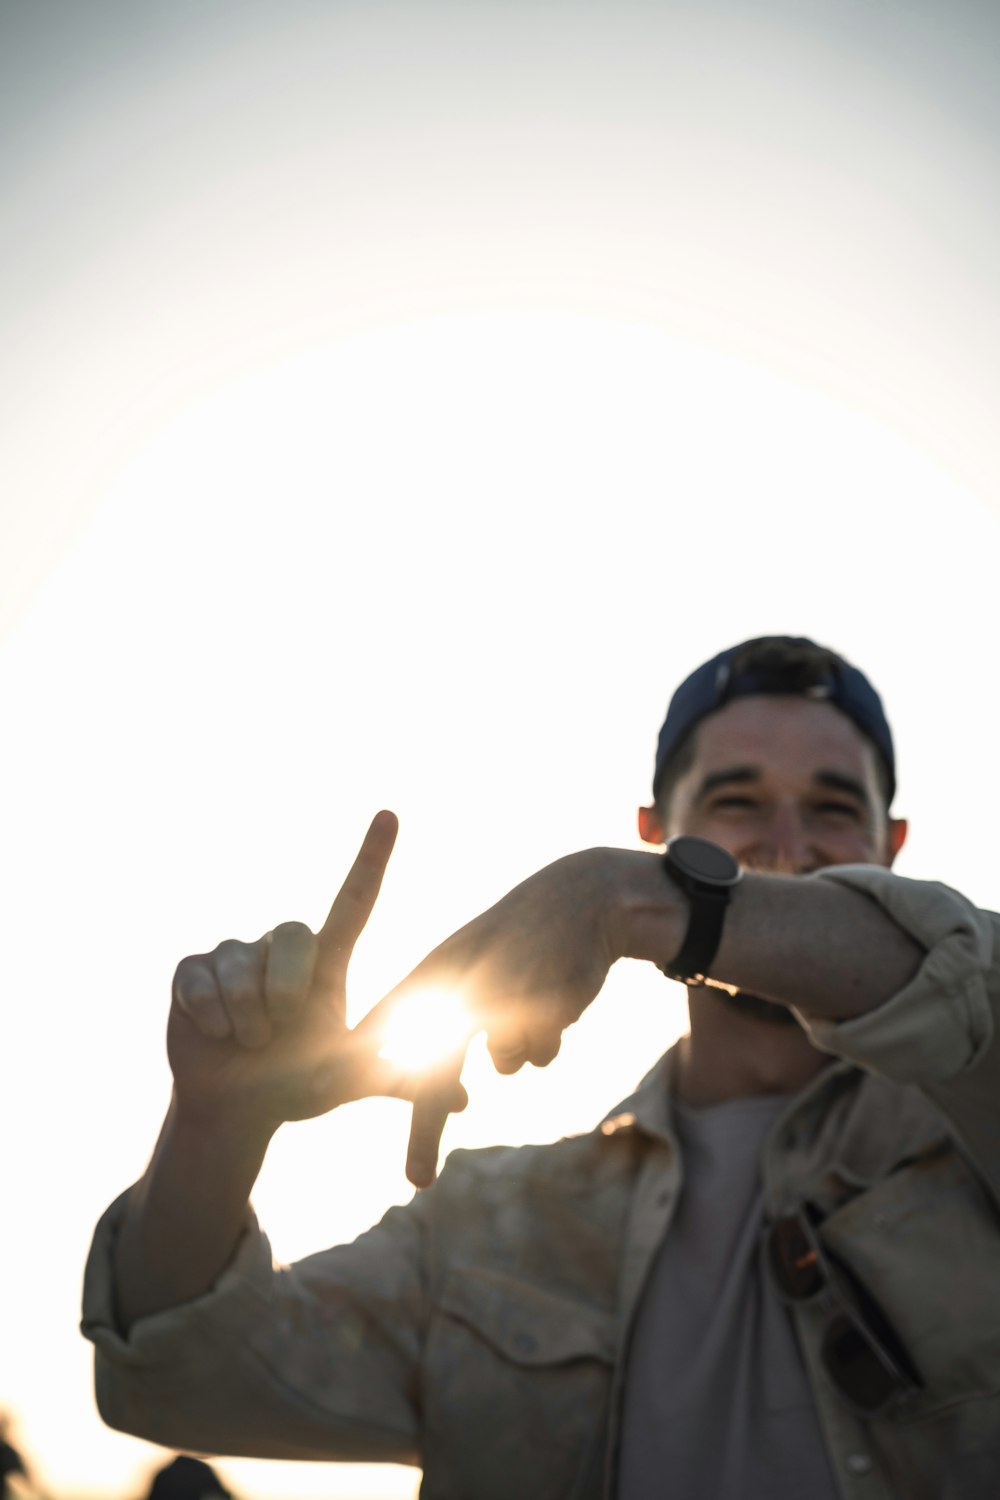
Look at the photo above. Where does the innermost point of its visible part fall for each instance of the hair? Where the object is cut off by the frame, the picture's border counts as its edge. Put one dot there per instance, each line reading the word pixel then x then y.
pixel 780 665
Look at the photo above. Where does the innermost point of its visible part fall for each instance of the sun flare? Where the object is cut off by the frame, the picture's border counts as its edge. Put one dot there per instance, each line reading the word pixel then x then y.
pixel 426 1028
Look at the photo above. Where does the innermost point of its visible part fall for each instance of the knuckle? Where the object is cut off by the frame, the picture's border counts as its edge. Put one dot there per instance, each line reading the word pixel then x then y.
pixel 181 974
pixel 196 995
pixel 192 979
pixel 293 934
pixel 237 980
pixel 290 961
pixel 231 949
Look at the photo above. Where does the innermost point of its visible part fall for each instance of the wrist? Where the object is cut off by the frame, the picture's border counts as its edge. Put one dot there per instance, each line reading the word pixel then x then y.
pixel 232 1127
pixel 649 913
pixel 707 875
pixel 186 1212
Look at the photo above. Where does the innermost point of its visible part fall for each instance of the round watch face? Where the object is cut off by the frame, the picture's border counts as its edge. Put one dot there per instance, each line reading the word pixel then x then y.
pixel 700 859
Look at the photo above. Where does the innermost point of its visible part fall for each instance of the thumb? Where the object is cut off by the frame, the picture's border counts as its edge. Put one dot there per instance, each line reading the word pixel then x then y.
pixel 433 1102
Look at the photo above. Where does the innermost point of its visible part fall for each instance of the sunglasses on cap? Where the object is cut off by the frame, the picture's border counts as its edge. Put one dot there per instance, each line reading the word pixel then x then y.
pixel 861 1351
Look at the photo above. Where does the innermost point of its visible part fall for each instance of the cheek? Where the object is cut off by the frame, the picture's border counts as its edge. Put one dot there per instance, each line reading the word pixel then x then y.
pixel 733 831
pixel 850 846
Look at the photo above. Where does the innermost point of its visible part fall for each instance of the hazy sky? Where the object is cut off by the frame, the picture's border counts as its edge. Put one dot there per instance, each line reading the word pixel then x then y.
pixel 395 402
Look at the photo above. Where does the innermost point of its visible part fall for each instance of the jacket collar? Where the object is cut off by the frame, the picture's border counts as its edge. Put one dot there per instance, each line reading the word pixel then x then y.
pixel 647 1109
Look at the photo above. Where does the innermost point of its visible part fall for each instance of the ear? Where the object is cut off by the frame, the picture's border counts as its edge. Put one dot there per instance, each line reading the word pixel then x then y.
pixel 897 831
pixel 651 826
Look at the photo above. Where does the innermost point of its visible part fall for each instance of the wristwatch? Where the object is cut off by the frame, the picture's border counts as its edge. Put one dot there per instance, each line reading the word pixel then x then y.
pixel 706 874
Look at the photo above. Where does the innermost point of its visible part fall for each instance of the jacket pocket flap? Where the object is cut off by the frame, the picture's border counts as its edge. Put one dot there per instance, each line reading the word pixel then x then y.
pixel 925 1245
pixel 528 1325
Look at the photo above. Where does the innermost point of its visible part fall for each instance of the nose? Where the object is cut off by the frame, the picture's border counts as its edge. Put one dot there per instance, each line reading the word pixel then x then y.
pixel 783 846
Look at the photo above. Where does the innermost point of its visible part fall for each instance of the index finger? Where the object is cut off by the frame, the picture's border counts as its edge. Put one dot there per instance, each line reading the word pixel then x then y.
pixel 352 905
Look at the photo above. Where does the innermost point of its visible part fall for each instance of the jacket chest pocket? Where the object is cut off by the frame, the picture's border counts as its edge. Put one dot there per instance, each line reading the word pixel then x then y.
pixel 518 1380
pixel 925 1243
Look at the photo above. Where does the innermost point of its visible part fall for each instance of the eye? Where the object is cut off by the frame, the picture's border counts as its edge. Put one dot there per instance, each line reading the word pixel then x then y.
pixel 838 809
pixel 734 800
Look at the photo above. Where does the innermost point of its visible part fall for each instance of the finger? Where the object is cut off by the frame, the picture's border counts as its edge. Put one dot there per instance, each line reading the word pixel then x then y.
pixel 544 1033
pixel 355 899
pixel 430 1115
pixel 196 993
pixel 239 971
pixel 288 970
pixel 432 1104
pixel 508 1051
pixel 543 1047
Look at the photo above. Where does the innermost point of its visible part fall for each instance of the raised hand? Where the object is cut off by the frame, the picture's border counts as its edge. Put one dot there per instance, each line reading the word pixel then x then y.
pixel 526 969
pixel 257 1035
pixel 260 1028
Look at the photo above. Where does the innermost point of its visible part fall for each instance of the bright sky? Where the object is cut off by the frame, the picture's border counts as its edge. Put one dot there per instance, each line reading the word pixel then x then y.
pixel 399 437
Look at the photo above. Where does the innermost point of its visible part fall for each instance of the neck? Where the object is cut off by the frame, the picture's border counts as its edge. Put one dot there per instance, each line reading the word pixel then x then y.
pixel 731 1056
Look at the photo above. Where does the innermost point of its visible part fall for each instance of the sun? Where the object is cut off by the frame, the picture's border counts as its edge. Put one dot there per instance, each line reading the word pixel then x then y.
pixel 425 1028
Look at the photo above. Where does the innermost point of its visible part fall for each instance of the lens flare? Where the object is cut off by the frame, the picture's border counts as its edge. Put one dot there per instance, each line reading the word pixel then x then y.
pixel 425 1028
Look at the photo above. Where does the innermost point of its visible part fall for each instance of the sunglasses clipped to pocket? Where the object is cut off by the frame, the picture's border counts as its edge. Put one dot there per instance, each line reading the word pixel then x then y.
pixel 861 1351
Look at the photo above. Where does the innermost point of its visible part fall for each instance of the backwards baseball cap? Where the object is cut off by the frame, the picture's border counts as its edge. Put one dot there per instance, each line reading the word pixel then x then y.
pixel 775 664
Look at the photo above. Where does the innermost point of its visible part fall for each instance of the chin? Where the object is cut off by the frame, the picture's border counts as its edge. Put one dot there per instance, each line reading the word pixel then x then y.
pixel 757 1008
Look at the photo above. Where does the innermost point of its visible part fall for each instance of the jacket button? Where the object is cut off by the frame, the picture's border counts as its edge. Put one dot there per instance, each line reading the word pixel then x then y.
pixel 525 1343
pixel 859 1463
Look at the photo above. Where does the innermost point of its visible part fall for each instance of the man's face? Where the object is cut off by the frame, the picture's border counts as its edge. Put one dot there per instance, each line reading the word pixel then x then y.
pixel 786 784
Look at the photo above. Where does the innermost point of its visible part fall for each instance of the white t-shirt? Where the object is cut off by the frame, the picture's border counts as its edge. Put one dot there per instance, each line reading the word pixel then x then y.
pixel 717 1402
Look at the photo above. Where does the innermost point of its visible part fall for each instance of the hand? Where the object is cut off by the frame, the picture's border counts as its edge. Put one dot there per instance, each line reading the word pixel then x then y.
pixel 527 969
pixel 260 1028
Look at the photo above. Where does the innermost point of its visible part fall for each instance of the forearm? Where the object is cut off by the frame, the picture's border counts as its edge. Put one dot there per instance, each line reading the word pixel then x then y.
pixel 814 944
pixel 186 1213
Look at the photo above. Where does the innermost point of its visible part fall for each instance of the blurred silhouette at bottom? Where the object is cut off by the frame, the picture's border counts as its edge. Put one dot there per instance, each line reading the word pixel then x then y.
pixel 187 1478
pixel 16 1482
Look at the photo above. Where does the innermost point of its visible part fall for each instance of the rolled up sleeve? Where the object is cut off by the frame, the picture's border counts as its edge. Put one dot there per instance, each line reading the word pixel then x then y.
pixel 942 1030
pixel 943 1021
pixel 317 1360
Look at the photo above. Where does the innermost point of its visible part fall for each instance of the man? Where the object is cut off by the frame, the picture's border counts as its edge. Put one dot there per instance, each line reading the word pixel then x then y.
pixel 771 1272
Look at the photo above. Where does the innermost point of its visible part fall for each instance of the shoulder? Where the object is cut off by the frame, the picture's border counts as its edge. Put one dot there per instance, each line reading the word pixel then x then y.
pixel 498 1168
pixel 533 1190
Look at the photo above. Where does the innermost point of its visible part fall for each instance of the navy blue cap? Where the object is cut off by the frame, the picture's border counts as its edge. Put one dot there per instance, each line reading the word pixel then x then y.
pixel 768 664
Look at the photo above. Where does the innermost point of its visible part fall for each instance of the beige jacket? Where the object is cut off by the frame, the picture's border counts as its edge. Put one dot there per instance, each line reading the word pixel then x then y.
pixel 482 1330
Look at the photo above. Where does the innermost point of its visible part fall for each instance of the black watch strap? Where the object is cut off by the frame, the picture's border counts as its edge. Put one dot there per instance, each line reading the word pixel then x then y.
pixel 703 936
